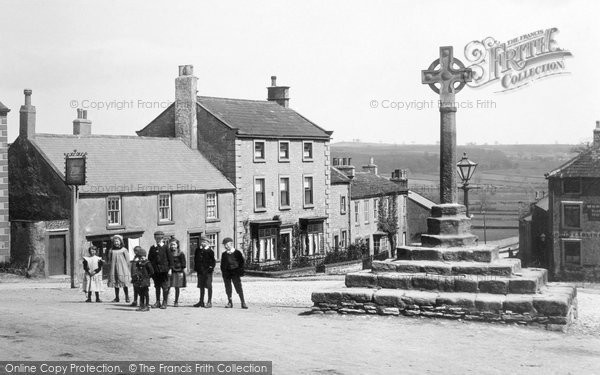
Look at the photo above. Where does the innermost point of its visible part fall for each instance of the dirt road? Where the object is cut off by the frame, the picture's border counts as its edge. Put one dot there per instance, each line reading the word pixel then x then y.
pixel 50 322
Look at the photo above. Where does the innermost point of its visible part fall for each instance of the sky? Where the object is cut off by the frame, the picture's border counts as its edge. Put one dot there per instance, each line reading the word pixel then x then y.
pixel 354 67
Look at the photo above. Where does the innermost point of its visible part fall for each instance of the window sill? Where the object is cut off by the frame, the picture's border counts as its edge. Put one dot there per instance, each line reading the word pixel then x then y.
pixel 212 220
pixel 284 160
pixel 308 160
pixel 115 226
pixel 166 222
pixel 260 209
pixel 285 208
pixel 260 160
pixel 310 206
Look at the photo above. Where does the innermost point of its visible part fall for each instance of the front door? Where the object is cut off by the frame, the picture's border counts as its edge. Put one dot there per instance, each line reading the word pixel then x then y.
pixel 194 244
pixel 57 255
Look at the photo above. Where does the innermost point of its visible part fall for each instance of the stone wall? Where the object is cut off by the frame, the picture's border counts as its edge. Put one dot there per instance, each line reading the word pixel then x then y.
pixel 4 219
pixel 28 245
pixel 161 126
pixel 216 142
pixel 339 221
pixel 416 221
pixel 344 267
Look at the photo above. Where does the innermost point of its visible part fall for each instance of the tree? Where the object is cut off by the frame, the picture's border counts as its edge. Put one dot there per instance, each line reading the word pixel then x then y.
pixel 387 218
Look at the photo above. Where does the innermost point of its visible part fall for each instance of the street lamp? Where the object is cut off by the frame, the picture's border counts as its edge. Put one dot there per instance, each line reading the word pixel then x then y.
pixel 465 169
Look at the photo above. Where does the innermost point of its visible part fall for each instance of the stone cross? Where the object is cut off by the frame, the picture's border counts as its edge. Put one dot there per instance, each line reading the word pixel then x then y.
pixel 451 81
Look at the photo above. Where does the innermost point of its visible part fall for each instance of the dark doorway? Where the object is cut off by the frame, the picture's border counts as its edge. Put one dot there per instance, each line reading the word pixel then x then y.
pixel 57 255
pixel 194 244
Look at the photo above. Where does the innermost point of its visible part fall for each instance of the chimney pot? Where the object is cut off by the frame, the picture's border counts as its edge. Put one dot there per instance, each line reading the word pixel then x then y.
pixel 27 93
pixel 85 114
pixel 81 125
pixel 273 81
pixel 278 94
pixel 597 124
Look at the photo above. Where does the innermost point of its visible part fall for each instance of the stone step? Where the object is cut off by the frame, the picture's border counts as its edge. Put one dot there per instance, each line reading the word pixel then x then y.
pixel 448 240
pixel 529 281
pixel 500 267
pixel 449 225
pixel 555 306
pixel 479 253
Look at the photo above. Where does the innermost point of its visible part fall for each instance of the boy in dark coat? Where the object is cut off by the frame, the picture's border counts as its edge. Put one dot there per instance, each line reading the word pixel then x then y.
pixel 140 277
pixel 162 261
pixel 232 267
pixel 204 265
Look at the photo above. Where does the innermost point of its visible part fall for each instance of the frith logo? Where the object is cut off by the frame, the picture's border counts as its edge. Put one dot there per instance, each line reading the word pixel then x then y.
pixel 518 62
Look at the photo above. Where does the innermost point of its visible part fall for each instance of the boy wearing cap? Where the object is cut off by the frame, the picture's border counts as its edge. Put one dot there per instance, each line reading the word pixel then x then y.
pixel 142 271
pixel 162 261
pixel 204 265
pixel 232 267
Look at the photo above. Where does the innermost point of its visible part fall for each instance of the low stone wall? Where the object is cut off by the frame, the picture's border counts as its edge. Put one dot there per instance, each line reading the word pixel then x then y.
pixel 343 268
pixel 304 271
pixel 554 310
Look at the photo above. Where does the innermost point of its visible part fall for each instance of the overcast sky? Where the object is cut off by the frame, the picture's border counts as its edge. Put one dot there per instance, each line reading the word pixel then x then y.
pixel 337 57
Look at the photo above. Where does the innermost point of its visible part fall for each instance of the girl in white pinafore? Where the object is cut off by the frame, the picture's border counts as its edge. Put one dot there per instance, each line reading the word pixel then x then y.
pixel 92 278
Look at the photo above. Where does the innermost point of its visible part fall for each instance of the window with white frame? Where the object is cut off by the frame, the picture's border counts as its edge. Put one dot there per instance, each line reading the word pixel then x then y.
pixel 113 210
pixel 164 207
pixel 356 213
pixel 213 241
pixel 571 215
pixel 259 151
pixel 284 151
pixel 343 204
pixel 344 242
pixel 284 192
pixel 259 194
pixel 375 209
pixel 212 206
pixel 308 191
pixel 367 210
pixel 307 151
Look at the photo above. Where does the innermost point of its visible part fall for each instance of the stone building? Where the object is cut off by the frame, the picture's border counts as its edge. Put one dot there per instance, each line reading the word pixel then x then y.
pixel 366 189
pixel 134 186
pixel 418 210
pixel 340 220
pixel 277 160
pixel 4 223
pixel 574 214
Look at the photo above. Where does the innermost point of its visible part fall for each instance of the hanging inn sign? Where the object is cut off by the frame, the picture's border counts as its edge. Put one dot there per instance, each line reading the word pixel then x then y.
pixel 75 168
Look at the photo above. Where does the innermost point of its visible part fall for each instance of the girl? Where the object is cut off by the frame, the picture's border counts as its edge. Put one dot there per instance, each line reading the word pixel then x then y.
pixel 177 275
pixel 120 272
pixel 92 279
pixel 142 271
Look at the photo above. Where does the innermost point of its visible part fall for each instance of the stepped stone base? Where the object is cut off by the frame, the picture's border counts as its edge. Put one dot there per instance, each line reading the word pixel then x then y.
pixel 501 267
pixel 451 276
pixel 554 307
pixel 529 281
pixel 479 253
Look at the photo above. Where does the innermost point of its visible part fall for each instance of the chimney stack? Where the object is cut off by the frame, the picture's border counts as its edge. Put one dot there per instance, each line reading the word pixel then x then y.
pixel 27 117
pixel 186 123
pixel 597 134
pixel 371 167
pixel 345 166
pixel 400 178
pixel 278 94
pixel 81 125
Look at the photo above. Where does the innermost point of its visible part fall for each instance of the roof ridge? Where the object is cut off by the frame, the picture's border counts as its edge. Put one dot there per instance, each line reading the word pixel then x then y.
pixel 569 163
pixel 111 136
pixel 245 100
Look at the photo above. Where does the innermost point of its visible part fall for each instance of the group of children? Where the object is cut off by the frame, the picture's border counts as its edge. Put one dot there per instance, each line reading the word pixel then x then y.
pixel 166 267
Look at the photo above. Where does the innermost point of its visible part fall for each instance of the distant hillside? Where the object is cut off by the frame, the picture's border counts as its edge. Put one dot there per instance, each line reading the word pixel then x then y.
pixel 424 159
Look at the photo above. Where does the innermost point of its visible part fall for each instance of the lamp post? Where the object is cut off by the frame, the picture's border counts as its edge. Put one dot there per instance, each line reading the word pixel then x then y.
pixel 465 169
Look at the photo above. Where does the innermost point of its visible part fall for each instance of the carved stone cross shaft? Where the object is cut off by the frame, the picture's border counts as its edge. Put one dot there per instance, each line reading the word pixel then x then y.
pixel 451 81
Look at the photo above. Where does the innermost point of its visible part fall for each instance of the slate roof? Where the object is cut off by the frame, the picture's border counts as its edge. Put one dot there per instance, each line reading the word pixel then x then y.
pixel 4 108
pixel 543 203
pixel 367 185
pixel 261 118
pixel 586 164
pixel 133 164
pixel 338 177
pixel 420 200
